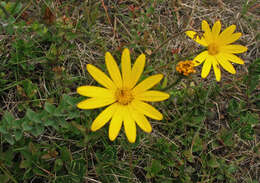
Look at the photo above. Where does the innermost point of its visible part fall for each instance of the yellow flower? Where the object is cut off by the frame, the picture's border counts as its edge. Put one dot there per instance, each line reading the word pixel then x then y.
pixel 126 98
pixel 185 67
pixel 219 50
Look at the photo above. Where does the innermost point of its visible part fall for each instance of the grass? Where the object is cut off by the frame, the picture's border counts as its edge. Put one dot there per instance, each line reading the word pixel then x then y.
pixel 210 132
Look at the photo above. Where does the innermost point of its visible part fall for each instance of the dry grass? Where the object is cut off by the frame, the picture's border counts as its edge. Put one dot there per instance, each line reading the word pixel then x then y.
pixel 199 139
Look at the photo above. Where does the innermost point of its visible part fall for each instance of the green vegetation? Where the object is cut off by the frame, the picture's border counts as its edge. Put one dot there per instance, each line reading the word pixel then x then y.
pixel 210 131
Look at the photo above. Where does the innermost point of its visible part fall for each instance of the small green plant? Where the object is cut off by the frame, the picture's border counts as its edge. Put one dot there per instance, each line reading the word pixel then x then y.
pixel 210 130
pixel 35 123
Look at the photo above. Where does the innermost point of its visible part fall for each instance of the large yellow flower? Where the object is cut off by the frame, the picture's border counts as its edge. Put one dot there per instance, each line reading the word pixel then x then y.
pixel 126 98
pixel 219 50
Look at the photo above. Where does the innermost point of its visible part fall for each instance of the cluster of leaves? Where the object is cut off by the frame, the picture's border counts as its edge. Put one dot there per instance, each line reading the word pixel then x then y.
pixel 33 44
pixel 35 123
pixel 27 157
pixel 198 140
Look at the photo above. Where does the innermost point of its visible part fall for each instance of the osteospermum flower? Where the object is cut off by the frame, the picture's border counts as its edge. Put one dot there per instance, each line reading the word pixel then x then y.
pixel 219 51
pixel 126 98
pixel 185 67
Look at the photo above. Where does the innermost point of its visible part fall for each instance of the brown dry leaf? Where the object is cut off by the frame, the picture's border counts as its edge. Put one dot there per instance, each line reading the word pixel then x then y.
pixel 50 154
pixel 58 69
pixel 49 17
pixel 148 51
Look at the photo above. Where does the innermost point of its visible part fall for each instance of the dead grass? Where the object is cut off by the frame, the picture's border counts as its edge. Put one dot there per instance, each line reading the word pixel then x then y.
pixel 153 28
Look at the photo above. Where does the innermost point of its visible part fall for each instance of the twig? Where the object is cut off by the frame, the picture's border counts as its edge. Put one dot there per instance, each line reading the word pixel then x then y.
pixel 44 170
pixel 109 21
pixel 127 31
pixel 93 180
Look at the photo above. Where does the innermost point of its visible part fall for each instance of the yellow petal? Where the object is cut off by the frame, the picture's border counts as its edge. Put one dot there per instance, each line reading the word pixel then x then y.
pixel 152 96
pixel 206 66
pixel 200 58
pixel 126 67
pixel 130 127
pixel 216 70
pixel 225 64
pixel 216 29
pixel 137 70
pixel 232 58
pixel 226 33
pixel 141 120
pixel 230 39
pixel 94 91
pixel 113 70
pixel 94 103
pixel 147 110
pixel 116 122
pixel 104 117
pixel 207 32
pixel 233 48
pixel 147 83
pixel 100 77
pixel 193 35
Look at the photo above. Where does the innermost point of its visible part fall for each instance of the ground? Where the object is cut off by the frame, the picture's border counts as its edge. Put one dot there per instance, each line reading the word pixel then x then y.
pixel 210 131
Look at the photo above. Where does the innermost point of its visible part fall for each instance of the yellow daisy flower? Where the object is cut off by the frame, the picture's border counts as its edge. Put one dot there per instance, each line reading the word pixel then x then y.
pixel 219 51
pixel 126 98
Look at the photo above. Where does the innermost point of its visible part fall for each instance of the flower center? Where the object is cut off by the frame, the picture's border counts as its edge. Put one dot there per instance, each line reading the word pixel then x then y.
pixel 124 97
pixel 213 49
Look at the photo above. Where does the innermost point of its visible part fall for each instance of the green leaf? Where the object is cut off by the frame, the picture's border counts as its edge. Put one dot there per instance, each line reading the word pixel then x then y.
pixel 213 162
pixel 50 108
pixel 17 8
pixel 33 116
pixel 49 123
pixel 165 82
pixel 9 118
pixel 30 114
pixel 4 178
pixel 250 118
pixel 18 134
pixel 17 124
pixel 198 144
pixel 27 126
pixel 253 75
pixel 70 100
pixel 3 130
pixel 156 167
pixel 58 165
pixel 74 114
pixel 247 133
pixel 8 137
pixel 25 164
pixel 36 131
pixel 66 154
pixel 189 156
pixel 226 136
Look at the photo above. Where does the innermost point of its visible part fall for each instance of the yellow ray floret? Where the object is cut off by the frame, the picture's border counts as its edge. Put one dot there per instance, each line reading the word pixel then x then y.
pixel 126 99
pixel 220 51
